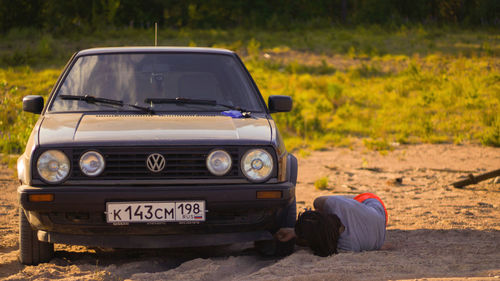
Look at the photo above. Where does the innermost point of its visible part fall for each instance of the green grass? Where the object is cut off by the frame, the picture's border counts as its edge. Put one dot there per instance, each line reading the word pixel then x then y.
pixel 434 99
pixel 404 85
pixel 321 183
pixel 15 83
pixel 29 46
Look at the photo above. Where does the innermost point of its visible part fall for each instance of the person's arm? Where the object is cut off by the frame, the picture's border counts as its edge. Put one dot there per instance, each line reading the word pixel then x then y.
pixel 319 205
pixel 320 202
pixel 287 224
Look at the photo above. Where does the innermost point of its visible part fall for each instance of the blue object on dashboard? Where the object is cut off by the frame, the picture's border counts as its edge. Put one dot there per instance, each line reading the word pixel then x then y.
pixel 232 113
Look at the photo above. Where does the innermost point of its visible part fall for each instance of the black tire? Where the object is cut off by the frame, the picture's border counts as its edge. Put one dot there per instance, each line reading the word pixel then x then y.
pixel 32 251
pixel 274 248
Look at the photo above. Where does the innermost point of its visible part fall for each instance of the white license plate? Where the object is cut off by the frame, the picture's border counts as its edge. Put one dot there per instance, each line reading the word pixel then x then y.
pixel 171 211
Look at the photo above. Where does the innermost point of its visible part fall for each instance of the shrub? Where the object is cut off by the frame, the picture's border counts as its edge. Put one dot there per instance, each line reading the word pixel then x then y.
pixel 321 183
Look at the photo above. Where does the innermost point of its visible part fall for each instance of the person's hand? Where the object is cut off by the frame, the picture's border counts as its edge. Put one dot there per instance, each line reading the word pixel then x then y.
pixel 285 234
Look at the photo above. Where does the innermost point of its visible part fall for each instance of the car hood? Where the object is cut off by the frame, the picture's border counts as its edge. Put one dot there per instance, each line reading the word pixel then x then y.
pixel 146 129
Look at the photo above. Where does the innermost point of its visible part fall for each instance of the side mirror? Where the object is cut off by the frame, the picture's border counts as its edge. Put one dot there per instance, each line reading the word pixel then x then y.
pixel 33 104
pixel 280 104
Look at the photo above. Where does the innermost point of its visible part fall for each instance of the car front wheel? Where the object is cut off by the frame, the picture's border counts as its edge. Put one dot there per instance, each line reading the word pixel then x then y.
pixel 31 250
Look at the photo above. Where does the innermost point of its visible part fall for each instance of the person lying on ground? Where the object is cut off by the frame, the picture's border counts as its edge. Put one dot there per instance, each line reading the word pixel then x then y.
pixel 339 222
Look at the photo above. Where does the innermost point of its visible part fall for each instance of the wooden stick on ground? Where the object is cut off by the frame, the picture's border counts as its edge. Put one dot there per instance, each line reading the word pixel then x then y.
pixel 475 179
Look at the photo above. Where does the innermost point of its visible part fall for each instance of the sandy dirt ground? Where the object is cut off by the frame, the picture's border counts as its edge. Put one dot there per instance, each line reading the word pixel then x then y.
pixel 436 232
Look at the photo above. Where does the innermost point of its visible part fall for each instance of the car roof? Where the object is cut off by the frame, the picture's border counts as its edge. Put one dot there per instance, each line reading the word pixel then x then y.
pixel 118 50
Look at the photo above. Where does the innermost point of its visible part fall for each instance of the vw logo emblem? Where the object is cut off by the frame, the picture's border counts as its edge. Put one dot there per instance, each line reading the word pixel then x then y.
pixel 155 162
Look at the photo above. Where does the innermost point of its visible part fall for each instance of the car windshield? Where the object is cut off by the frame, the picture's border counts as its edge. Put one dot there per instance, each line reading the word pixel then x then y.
pixel 138 78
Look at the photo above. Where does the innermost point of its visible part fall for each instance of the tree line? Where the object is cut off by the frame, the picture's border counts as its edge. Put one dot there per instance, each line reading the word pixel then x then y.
pixel 61 16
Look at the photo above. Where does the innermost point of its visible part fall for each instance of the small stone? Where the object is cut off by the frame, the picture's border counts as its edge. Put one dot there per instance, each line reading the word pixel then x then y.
pixel 331 168
pixel 497 180
pixel 396 181
pixel 485 205
pixel 468 213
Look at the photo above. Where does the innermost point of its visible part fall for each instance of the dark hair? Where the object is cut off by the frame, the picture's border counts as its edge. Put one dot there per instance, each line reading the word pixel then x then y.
pixel 321 231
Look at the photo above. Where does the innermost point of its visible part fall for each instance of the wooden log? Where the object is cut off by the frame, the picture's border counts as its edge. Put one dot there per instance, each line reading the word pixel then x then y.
pixel 471 179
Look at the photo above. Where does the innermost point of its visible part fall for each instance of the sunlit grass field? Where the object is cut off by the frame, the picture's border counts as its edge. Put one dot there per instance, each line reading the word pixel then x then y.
pixel 382 85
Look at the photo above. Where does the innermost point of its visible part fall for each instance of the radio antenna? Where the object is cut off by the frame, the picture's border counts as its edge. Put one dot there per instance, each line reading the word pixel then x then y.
pixel 156 34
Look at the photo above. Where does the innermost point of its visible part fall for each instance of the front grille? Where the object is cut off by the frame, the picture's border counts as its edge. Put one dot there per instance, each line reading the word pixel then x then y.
pixel 181 163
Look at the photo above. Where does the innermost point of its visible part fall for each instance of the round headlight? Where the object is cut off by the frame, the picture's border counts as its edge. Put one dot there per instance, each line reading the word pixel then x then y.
pixel 92 163
pixel 257 164
pixel 219 162
pixel 53 166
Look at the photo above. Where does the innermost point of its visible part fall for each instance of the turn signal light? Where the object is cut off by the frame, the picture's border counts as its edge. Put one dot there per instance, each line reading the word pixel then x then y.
pixel 269 194
pixel 41 197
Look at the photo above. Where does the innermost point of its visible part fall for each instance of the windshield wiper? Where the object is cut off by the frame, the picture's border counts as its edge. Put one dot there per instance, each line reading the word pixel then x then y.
pixel 93 100
pixel 180 100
